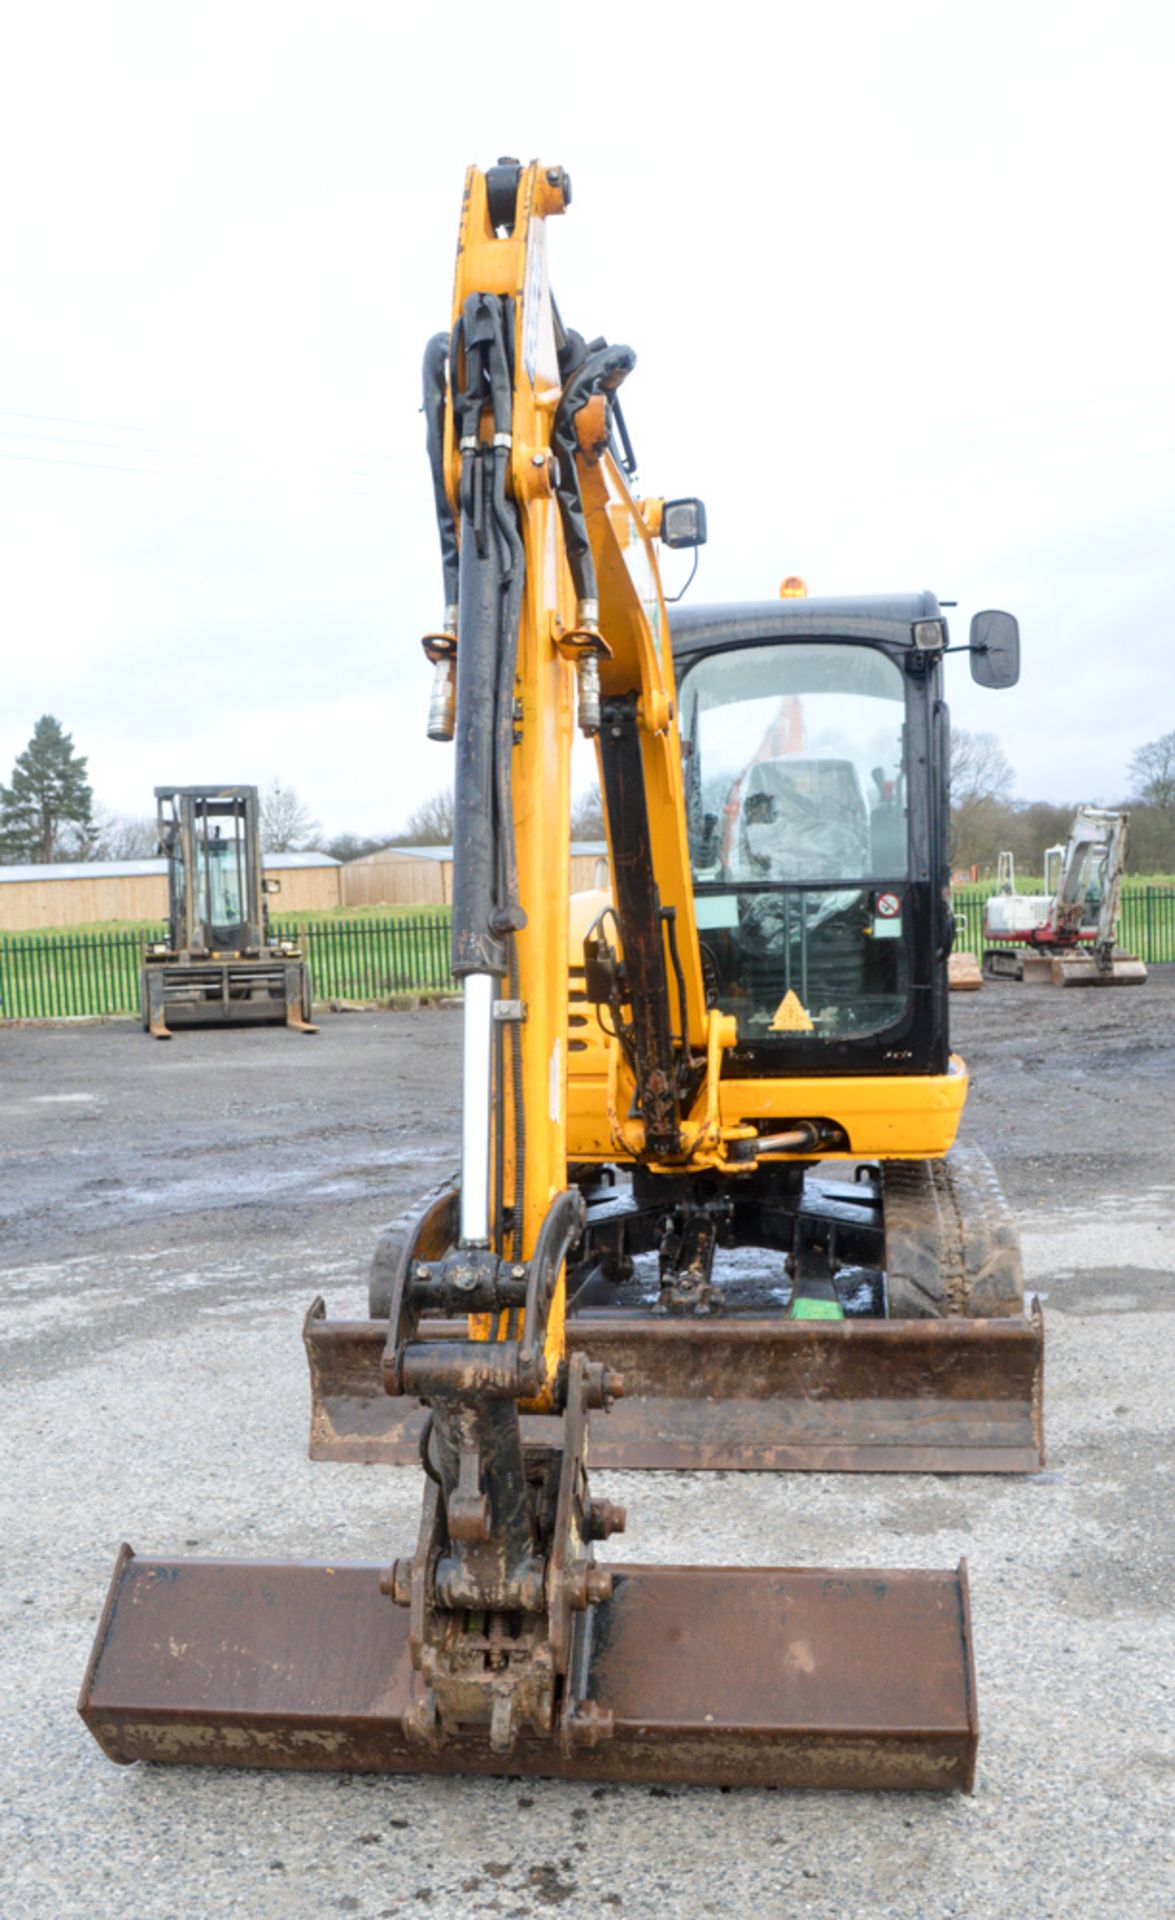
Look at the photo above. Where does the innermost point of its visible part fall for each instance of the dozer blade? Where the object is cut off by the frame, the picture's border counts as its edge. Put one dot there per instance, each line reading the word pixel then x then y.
pixel 1080 970
pixel 741 1391
pixel 722 1676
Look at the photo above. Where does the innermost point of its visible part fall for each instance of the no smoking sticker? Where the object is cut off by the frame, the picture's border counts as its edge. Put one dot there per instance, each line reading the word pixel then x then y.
pixel 887 924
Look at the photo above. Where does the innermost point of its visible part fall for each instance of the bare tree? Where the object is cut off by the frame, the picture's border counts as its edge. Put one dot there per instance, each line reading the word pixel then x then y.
pixel 981 787
pixel 1152 769
pixel 124 836
pixel 431 823
pixel 587 815
pixel 286 825
pixel 353 846
pixel 1152 839
pixel 980 769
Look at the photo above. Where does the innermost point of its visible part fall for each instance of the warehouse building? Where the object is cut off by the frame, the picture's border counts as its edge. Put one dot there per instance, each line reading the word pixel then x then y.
pixel 423 876
pixel 78 893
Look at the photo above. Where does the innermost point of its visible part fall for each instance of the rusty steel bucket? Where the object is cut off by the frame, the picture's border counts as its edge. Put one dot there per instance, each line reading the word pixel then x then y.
pixel 719 1676
pixel 741 1391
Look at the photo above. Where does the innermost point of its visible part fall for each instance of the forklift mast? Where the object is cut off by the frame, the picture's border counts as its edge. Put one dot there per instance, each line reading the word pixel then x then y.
pixel 215 891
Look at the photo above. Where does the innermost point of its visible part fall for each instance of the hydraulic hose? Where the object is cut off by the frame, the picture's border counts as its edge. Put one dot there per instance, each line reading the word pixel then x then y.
pixel 600 371
pixel 491 576
pixel 436 356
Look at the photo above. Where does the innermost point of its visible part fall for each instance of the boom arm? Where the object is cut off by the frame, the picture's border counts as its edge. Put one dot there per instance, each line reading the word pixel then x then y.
pixel 556 585
pixel 1096 851
pixel 557 582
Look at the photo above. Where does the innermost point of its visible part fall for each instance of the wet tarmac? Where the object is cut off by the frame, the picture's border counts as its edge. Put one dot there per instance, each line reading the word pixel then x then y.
pixel 169 1210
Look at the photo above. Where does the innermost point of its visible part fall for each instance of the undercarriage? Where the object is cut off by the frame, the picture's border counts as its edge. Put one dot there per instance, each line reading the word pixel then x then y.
pixel 786 1320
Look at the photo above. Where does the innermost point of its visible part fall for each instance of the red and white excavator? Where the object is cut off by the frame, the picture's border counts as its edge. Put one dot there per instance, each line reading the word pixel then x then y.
pixel 1064 937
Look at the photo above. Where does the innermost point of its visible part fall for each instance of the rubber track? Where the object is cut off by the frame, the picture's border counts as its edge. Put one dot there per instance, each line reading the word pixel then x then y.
pixel 951 1244
pixel 386 1258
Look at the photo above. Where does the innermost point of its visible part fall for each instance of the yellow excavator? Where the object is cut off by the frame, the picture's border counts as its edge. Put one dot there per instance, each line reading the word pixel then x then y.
pixel 709 1209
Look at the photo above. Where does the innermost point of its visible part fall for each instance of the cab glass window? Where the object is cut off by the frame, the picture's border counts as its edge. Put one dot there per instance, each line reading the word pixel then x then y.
pixel 795 778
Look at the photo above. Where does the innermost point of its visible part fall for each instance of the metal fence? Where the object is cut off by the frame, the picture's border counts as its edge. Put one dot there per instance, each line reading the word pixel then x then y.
pixel 370 959
pixel 88 975
pixel 1146 921
pixel 69 976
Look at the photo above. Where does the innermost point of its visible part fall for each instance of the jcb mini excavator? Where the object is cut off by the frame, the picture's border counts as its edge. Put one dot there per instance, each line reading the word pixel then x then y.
pixel 218 966
pixel 654 1082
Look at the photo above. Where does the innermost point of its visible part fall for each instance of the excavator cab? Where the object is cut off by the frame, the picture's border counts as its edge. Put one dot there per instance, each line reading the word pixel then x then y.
pixel 799 785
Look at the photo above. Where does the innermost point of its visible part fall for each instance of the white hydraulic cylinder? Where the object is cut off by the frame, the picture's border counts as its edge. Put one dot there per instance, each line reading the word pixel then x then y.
pixel 476 1092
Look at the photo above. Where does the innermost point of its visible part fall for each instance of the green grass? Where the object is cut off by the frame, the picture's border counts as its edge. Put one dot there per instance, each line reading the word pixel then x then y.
pixel 280 923
pixel 1034 882
pixel 153 927
pixel 325 916
pixel 367 957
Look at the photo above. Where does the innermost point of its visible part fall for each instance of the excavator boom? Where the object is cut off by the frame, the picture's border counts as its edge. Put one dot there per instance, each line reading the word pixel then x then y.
pixel 501 1644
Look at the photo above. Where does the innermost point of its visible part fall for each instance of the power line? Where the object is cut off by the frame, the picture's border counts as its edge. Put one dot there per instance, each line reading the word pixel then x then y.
pixel 187 479
pixel 355 510
pixel 1018 471
pixel 129 447
pixel 1064 406
pixel 178 433
pixel 1092 431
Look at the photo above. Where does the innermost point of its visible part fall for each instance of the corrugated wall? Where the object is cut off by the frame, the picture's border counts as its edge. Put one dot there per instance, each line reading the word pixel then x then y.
pixel 305 889
pixel 397 880
pixel 28 904
pixel 406 880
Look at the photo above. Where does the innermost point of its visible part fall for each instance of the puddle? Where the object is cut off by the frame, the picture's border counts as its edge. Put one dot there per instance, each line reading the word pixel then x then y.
pixel 62 1100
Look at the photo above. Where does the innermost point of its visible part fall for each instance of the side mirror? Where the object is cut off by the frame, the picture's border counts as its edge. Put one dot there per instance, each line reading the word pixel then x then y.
pixel 683 523
pixel 271 886
pixel 995 649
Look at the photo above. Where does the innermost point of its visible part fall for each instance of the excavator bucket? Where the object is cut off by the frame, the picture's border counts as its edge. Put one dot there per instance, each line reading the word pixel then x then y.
pixel 759 1392
pixel 717 1676
pixel 1082 970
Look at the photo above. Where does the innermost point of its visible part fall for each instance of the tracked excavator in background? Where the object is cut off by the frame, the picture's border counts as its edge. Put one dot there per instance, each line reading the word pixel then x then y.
pixel 1065 936
pixel 707 1162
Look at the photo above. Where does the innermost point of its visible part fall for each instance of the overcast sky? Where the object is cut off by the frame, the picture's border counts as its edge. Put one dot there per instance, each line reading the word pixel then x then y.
pixel 899 278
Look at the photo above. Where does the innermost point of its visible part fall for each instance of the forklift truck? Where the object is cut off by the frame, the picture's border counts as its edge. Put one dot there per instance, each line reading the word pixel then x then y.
pixel 218 966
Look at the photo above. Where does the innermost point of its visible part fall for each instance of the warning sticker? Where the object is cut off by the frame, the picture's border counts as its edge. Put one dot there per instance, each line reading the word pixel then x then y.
pixel 889 906
pixel 791 1015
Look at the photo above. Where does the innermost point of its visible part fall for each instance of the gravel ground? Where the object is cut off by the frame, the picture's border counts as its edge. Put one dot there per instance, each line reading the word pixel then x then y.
pixel 167 1214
